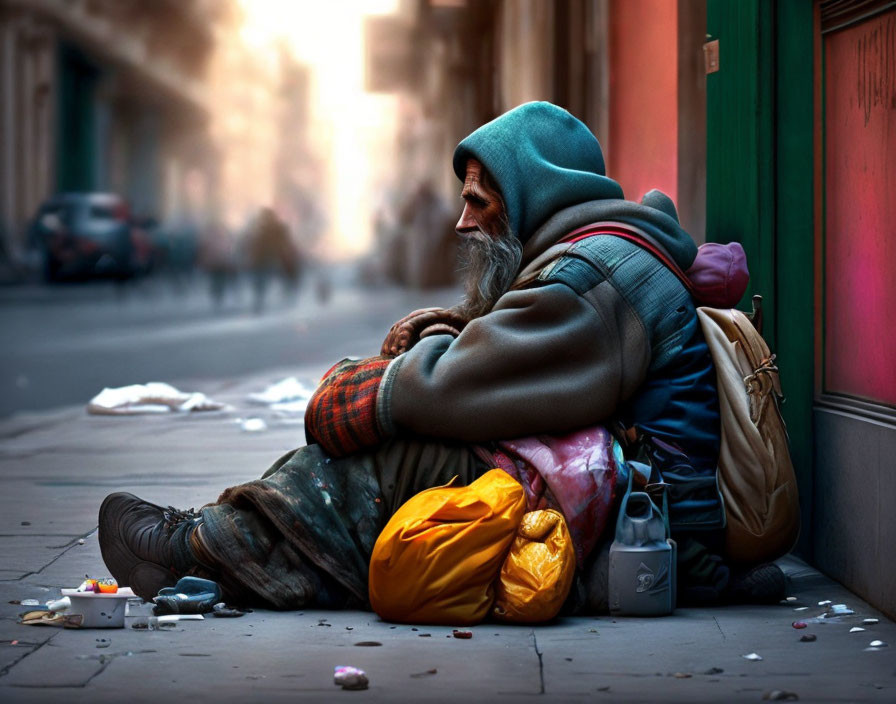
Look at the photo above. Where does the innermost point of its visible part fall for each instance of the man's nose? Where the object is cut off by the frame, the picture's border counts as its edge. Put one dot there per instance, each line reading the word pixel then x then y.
pixel 467 222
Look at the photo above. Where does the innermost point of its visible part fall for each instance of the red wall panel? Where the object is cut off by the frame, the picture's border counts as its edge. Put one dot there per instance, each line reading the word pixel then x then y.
pixel 860 210
pixel 642 152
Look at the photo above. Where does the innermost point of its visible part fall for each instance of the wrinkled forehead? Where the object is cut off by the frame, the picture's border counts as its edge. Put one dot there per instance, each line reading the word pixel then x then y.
pixel 477 179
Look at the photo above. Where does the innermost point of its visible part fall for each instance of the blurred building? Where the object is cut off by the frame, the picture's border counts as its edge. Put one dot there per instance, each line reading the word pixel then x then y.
pixel 104 95
pixel 631 70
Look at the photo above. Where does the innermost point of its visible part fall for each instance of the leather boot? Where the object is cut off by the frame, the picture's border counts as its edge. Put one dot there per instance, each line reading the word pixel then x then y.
pixel 145 546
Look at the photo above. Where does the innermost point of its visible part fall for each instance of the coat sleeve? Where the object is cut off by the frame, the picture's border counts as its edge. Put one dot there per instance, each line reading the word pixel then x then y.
pixel 544 360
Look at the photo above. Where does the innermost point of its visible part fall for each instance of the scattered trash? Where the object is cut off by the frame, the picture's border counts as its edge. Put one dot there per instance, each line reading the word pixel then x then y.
pixel 154 397
pixel 428 673
pixel 466 635
pixel 29 602
pixel 349 677
pixel 856 629
pixel 103 643
pixel 780 695
pixel 221 610
pixel 809 638
pixel 25 523
pixel 286 391
pixel 191 595
pixel 799 624
pixel 870 621
pixel 424 635
pixel 877 644
pixel 714 671
pixel 80 541
pixel 801 608
pixel 62 604
pixel 252 425
pixel 790 598
pixel 368 644
pixel 323 622
pixel 13 642
pixel 41 618
pixel 838 610
pixel 824 603
pixel 752 656
pixel 682 675
pixel 95 605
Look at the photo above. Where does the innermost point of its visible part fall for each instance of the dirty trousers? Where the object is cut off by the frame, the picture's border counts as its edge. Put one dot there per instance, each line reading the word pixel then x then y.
pixel 302 535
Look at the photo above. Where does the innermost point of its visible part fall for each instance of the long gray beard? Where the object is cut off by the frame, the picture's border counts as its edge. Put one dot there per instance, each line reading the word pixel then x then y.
pixel 489 265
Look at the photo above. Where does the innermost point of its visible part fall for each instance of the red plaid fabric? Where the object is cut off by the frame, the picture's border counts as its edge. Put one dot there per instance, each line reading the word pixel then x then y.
pixel 341 415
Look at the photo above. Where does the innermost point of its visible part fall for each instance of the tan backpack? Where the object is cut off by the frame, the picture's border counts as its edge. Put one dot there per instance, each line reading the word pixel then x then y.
pixel 756 474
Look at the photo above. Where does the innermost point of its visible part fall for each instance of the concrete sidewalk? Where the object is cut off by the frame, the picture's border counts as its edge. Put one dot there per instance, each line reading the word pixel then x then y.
pixel 58 466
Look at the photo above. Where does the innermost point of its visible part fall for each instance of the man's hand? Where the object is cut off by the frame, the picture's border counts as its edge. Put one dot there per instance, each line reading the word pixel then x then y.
pixel 425 322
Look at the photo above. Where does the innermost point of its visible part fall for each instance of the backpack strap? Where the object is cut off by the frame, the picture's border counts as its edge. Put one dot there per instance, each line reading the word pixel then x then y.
pixel 632 234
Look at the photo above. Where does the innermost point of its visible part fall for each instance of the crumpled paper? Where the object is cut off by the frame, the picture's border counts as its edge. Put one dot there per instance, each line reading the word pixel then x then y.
pixel 154 397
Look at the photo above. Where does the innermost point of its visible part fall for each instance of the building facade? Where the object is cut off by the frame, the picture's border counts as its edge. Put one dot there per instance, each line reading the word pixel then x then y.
pixel 102 95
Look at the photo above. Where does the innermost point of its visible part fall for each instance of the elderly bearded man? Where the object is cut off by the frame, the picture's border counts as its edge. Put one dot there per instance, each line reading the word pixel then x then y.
pixel 552 336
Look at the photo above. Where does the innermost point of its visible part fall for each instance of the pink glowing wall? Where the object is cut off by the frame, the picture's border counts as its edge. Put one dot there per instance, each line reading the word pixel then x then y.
pixel 643 141
pixel 860 210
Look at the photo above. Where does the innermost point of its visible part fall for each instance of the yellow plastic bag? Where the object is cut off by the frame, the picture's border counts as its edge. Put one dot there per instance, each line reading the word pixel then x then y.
pixel 538 572
pixel 438 556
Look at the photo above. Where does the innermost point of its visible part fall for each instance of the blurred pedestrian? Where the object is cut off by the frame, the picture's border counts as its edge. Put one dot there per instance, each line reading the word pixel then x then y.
pixel 217 259
pixel 271 252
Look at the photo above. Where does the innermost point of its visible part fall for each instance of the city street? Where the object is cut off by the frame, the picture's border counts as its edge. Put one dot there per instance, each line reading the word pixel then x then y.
pixel 63 344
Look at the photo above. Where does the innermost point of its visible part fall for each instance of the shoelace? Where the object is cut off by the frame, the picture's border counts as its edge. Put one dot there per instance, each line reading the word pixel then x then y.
pixel 175 516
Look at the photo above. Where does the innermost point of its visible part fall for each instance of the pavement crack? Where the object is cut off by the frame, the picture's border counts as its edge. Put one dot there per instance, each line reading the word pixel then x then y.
pixel 719 627
pixel 540 662
pixel 74 544
pixel 5 671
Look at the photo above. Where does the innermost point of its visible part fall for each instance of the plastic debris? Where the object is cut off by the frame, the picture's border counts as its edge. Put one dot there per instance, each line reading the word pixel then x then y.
pixel 154 397
pixel 755 657
pixel 221 610
pixel 870 621
pixel 790 598
pixel 840 610
pixel 799 624
pixel 252 425
pixel 191 595
pixel 809 638
pixel 877 644
pixel 57 605
pixel 465 635
pixel 714 671
pixel 80 541
pixel 349 677
pixel 682 675
pixel 824 603
pixel 856 629
pixel 368 644
pixel 801 608
pixel 30 602
pixel 286 391
pixel 780 695
pixel 103 643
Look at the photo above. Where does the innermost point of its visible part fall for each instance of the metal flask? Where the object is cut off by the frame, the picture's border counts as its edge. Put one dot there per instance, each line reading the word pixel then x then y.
pixel 642 559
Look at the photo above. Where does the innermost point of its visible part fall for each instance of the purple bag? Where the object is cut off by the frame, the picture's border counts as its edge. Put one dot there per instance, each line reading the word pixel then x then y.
pixel 719 274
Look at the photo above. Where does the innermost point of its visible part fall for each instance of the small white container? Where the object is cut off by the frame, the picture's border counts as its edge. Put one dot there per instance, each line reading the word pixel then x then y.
pixel 99 610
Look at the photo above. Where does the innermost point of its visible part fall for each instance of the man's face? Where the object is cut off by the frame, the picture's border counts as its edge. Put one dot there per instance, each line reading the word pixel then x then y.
pixel 483 206
pixel 490 251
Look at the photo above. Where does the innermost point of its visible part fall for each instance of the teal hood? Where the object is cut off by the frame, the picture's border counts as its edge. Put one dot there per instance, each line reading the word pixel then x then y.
pixel 542 159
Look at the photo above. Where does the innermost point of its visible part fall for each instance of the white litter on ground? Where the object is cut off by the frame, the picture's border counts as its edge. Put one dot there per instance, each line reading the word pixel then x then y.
pixel 284 392
pixel 154 397
pixel 252 425
pixel 856 629
pixel 752 656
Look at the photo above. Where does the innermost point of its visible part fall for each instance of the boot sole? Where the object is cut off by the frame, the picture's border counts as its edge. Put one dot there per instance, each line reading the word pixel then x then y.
pixel 144 578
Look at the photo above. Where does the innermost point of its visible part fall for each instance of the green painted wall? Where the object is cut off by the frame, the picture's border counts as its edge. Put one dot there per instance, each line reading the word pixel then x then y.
pixel 759 187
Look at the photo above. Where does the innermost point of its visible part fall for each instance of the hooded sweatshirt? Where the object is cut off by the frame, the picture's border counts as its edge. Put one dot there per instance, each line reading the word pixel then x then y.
pixel 591 333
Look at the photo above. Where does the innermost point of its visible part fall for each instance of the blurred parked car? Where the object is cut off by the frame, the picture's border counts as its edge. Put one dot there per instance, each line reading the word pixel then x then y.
pixel 83 235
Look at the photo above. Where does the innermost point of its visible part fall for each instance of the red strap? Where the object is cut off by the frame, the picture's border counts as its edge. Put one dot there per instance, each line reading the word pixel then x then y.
pixel 632 236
